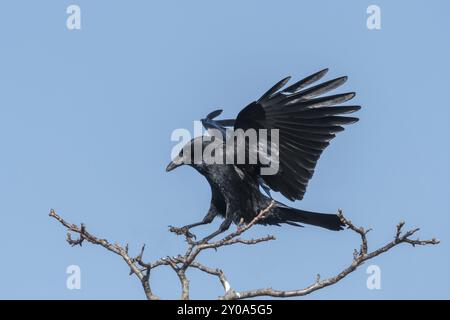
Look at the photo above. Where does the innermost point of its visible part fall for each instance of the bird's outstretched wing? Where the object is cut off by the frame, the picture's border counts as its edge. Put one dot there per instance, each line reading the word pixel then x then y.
pixel 306 120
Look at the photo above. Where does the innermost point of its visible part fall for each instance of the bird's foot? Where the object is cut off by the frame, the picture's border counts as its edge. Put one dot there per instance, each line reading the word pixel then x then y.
pixel 182 231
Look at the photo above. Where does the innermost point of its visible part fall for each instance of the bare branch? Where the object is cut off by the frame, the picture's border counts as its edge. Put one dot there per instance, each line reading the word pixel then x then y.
pixel 215 272
pixel 115 248
pixel 181 263
pixel 358 259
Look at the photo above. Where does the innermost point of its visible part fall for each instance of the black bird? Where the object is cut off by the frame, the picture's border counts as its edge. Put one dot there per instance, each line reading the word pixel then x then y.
pixel 306 121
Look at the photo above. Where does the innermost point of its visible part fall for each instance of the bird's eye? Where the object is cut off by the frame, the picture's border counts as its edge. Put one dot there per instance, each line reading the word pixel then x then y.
pixel 181 154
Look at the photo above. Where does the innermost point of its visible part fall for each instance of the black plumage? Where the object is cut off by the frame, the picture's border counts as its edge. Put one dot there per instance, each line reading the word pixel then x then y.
pixel 306 121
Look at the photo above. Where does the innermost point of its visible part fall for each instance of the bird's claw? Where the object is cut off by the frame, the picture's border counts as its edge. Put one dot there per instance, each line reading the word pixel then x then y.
pixel 200 242
pixel 182 231
pixel 190 235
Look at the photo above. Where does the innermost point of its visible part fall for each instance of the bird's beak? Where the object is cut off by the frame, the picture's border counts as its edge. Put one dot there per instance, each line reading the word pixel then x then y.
pixel 173 164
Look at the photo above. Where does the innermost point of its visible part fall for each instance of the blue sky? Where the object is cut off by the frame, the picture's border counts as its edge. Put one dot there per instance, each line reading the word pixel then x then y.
pixel 86 118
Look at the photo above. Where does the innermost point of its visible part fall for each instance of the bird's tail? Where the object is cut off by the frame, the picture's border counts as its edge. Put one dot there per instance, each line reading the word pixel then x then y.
pixel 285 214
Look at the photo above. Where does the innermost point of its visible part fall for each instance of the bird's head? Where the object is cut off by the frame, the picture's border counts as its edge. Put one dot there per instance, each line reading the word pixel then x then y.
pixel 191 154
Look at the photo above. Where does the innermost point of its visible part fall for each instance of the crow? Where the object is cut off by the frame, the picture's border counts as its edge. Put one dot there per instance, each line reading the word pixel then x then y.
pixel 306 122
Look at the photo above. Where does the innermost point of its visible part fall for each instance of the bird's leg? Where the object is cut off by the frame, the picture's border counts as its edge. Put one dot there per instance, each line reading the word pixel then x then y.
pixel 224 226
pixel 185 230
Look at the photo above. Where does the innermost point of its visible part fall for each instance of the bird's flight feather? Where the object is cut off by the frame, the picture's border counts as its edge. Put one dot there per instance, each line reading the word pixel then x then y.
pixel 307 121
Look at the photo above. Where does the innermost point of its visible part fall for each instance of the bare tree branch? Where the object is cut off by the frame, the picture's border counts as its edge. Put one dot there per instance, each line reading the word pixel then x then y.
pixel 181 263
pixel 142 275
